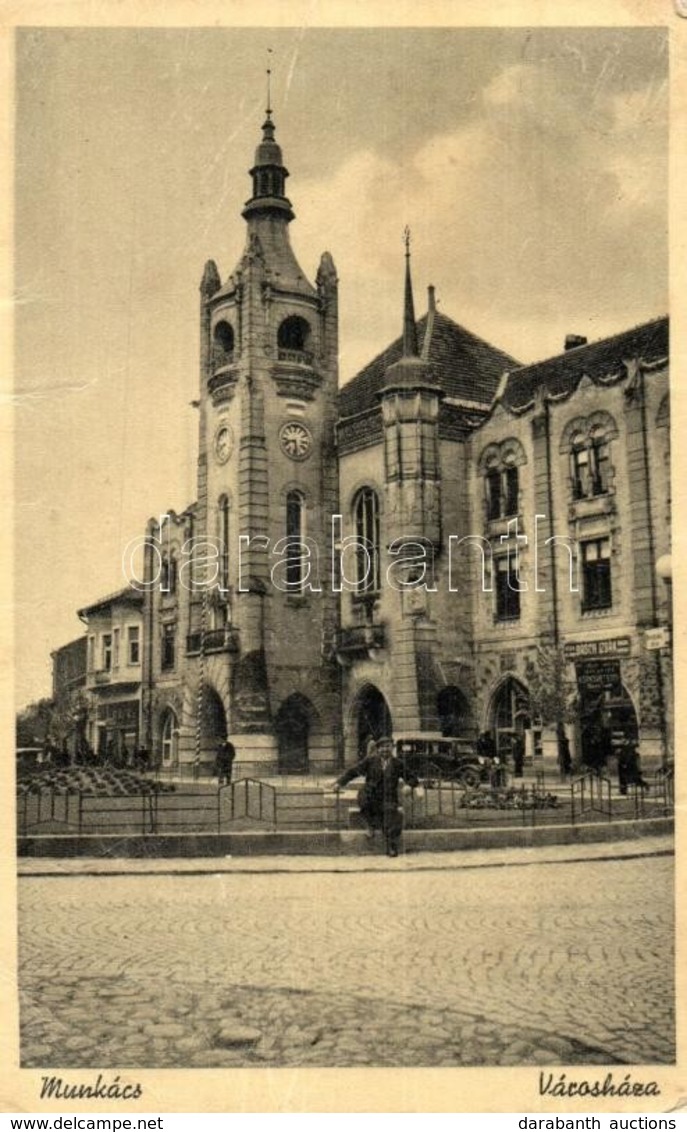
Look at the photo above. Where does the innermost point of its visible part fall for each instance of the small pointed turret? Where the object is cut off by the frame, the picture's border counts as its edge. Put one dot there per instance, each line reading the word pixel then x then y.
pixel 410 348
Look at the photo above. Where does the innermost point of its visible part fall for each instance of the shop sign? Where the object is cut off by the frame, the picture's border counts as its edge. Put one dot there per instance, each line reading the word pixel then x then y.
pixel 614 646
pixel 656 638
pixel 598 676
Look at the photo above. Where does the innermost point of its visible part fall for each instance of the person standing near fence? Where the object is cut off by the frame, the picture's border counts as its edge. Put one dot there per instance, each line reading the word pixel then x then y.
pixel 378 798
pixel 226 753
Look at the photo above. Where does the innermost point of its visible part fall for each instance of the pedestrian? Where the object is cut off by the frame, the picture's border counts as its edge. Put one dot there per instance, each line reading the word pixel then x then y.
pixel 629 773
pixel 226 753
pixel 518 752
pixel 378 798
pixel 564 756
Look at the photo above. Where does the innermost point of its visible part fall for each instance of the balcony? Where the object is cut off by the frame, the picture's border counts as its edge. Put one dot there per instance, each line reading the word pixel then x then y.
pixel 300 357
pixel 215 640
pixel 103 676
pixel 359 640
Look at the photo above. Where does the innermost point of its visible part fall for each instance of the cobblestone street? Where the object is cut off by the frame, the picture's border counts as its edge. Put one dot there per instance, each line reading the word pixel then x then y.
pixel 557 963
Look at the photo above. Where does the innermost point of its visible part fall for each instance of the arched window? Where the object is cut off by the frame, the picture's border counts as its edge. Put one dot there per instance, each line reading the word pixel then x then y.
pixel 295 533
pixel 223 340
pixel 168 736
pixel 293 337
pixel 587 440
pixel 499 466
pixel 223 539
pixel 366 517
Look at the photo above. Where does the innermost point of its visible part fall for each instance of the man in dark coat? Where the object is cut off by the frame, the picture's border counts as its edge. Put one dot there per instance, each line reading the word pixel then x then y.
pixel 226 753
pixel 378 798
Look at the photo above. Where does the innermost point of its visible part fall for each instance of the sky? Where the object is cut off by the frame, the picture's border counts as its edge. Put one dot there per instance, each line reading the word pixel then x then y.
pixel 530 165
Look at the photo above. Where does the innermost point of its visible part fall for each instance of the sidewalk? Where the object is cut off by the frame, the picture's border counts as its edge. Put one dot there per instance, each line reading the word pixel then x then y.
pixel 373 860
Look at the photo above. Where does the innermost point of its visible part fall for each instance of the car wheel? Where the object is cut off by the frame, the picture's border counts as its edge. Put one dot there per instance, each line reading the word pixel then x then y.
pixel 470 777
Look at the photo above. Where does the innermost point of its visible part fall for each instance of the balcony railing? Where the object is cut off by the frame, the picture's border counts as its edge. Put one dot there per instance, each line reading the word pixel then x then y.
pixel 216 640
pixel 103 676
pixel 359 639
pixel 301 357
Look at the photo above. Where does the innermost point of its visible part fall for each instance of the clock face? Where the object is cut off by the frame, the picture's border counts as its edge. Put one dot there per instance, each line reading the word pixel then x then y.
pixel 224 443
pixel 295 440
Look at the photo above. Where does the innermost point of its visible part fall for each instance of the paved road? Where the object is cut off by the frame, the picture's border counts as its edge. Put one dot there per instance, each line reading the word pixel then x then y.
pixel 559 963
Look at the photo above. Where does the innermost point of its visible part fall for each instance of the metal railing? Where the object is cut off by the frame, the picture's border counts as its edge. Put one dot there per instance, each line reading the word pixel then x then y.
pixel 285 804
pixel 590 793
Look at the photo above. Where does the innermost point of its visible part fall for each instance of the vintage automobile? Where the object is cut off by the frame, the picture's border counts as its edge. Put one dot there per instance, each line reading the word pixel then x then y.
pixel 432 757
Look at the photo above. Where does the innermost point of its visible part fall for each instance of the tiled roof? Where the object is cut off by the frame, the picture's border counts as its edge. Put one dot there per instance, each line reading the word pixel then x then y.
pixel 600 361
pixel 127 596
pixel 463 366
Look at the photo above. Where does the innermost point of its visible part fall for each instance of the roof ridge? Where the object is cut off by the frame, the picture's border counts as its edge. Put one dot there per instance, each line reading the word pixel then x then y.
pixel 590 345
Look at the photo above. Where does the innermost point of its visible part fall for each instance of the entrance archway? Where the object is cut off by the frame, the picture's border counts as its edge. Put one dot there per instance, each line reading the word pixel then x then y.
pixel 213 724
pixel 510 714
pixel 292 726
pixel 453 710
pixel 374 717
pixel 605 720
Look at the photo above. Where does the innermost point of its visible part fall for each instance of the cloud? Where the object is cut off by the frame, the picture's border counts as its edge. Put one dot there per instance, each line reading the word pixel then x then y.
pixel 550 202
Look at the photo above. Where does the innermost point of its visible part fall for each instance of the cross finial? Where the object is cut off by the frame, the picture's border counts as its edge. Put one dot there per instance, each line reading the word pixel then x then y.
pixel 406 239
pixel 269 90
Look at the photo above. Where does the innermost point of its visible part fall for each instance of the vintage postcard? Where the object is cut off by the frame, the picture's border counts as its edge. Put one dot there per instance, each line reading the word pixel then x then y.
pixel 344 478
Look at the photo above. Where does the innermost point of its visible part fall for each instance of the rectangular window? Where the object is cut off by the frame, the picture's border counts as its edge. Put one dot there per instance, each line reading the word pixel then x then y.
pixel 507 588
pixel 115 648
pixel 596 574
pixel 134 644
pixel 91 653
pixel 168 646
pixel 106 644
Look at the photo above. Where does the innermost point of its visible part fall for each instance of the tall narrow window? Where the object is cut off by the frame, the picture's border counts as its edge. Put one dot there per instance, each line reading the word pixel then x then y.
pixel 493 490
pixel 134 644
pixel 168 646
pixel 590 468
pixel 223 532
pixel 107 651
pixel 507 588
pixel 295 531
pixel 510 491
pixel 596 574
pixel 366 514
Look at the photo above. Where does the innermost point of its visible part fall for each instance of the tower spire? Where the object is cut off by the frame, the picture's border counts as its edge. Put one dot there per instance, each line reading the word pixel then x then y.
pixel 410 347
pixel 269 83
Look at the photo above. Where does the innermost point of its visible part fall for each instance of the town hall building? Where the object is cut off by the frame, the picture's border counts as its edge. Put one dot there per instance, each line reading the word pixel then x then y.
pixel 449 543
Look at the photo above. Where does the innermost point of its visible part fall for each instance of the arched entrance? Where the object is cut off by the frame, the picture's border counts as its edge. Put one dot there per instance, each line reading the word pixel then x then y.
pixel 605 721
pixel 213 724
pixel 453 711
pixel 169 738
pixel 373 717
pixel 510 714
pixel 292 726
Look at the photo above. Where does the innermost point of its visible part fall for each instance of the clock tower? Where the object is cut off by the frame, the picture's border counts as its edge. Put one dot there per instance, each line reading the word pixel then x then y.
pixel 267 486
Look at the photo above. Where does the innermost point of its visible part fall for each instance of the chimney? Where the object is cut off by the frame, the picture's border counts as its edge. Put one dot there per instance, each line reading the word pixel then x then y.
pixel 431 303
pixel 572 341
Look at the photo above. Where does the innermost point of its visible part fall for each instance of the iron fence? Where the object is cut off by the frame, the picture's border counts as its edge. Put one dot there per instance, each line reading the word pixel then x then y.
pixel 254 803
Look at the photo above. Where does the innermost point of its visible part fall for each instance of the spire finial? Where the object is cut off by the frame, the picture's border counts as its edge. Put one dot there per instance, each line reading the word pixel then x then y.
pixel 269 83
pixel 410 348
